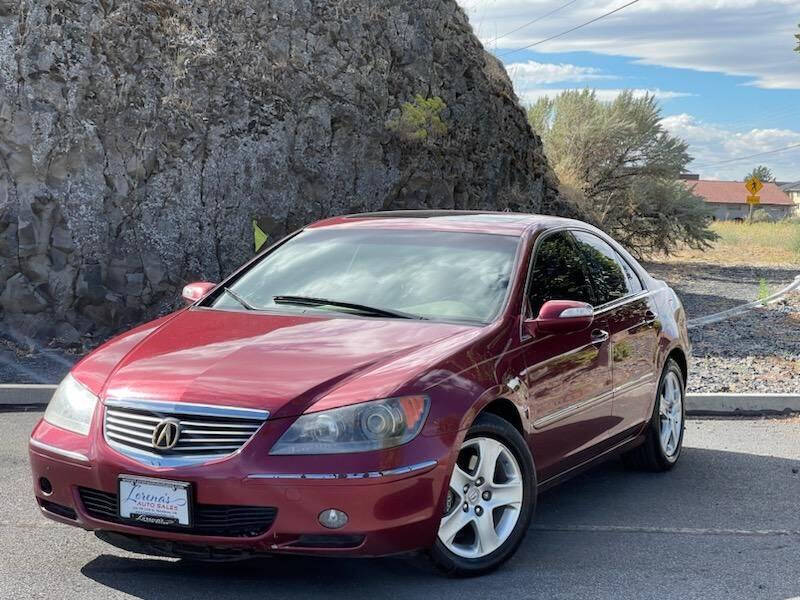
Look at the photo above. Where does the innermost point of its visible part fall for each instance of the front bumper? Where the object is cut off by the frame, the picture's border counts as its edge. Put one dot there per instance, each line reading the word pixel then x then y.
pixel 393 498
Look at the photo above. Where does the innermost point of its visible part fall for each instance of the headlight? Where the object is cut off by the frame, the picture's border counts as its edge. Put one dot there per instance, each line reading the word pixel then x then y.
pixel 72 406
pixel 357 428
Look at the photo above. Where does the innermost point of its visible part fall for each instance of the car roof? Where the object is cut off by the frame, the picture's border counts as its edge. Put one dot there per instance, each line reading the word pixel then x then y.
pixel 499 223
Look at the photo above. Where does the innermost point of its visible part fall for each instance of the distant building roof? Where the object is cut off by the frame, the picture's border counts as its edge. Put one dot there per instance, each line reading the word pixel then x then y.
pixel 790 187
pixel 734 192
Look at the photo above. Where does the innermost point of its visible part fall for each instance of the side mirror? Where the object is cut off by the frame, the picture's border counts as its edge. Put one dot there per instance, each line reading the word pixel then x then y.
pixel 194 291
pixel 561 316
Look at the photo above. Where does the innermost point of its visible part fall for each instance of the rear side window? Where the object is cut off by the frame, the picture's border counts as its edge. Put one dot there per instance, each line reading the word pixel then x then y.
pixel 558 273
pixel 634 283
pixel 606 272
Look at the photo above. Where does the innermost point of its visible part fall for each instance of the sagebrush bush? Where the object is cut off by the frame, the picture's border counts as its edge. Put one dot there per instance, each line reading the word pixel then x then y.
pixel 620 168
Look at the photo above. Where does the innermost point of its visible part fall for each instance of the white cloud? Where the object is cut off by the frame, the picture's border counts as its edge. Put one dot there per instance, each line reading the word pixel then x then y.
pixel 751 38
pixel 536 73
pixel 711 143
pixel 531 95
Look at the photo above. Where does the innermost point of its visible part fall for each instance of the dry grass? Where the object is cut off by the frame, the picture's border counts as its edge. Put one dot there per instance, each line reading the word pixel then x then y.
pixel 757 244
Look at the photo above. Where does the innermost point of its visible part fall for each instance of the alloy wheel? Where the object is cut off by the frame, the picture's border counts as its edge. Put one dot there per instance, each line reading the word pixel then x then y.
pixel 670 414
pixel 484 500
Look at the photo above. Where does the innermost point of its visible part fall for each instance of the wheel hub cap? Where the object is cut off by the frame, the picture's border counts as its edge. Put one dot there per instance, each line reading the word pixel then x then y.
pixel 670 414
pixel 487 482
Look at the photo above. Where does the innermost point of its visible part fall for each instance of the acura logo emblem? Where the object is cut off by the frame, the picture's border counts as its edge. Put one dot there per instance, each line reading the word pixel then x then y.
pixel 166 434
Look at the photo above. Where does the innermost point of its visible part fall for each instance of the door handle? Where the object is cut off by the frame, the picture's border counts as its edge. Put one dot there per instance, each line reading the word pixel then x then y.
pixel 599 336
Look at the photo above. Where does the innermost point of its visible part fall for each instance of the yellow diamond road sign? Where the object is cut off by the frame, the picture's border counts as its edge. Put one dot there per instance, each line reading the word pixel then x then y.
pixel 753 200
pixel 753 185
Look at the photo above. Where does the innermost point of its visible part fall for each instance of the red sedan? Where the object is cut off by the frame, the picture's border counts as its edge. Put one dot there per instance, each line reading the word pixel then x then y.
pixel 371 385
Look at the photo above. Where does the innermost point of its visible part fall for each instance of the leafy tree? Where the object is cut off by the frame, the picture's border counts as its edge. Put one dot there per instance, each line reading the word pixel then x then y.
pixel 763 173
pixel 797 35
pixel 620 169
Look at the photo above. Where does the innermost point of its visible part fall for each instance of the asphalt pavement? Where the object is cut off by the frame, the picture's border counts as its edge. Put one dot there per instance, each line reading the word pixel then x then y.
pixel 724 524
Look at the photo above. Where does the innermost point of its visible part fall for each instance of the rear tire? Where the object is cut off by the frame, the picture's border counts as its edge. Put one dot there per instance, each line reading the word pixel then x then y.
pixel 491 499
pixel 664 435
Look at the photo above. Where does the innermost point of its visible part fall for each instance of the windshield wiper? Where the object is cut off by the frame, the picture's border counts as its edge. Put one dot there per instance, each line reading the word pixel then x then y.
pixel 239 299
pixel 362 308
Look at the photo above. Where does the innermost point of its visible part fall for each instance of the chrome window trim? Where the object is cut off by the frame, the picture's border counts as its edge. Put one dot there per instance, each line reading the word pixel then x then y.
pixel 363 475
pixel 622 301
pixel 71 454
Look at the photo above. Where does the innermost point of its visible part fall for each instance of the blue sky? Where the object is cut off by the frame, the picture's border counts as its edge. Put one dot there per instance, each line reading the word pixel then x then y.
pixel 724 71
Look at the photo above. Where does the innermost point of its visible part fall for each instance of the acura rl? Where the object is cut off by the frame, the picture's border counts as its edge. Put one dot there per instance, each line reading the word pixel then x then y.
pixel 370 385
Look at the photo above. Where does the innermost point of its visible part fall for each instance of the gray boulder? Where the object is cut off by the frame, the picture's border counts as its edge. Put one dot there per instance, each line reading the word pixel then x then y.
pixel 139 139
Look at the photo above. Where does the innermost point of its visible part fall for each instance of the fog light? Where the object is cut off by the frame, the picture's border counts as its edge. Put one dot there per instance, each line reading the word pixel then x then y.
pixel 332 518
pixel 45 485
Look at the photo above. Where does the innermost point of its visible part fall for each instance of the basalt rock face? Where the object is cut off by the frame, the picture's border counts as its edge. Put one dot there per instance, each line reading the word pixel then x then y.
pixel 140 139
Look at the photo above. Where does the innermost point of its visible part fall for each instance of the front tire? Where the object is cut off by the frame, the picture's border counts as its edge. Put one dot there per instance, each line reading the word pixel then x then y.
pixel 490 501
pixel 664 437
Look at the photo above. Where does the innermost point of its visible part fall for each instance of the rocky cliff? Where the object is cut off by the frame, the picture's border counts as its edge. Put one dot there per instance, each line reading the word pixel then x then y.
pixel 139 139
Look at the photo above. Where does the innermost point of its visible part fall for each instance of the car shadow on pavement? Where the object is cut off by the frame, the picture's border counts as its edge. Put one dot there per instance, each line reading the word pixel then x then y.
pixel 592 536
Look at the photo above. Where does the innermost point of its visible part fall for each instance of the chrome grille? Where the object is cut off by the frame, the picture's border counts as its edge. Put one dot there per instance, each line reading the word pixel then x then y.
pixel 206 431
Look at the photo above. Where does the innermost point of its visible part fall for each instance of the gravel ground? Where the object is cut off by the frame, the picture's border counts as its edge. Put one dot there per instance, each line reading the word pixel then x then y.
pixel 758 351
pixel 755 352
pixel 706 289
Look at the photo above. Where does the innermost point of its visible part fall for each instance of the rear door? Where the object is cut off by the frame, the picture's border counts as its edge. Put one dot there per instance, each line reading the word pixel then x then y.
pixel 625 304
pixel 568 376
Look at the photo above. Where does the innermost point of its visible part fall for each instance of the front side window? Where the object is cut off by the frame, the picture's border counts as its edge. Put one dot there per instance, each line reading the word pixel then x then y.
pixel 429 274
pixel 606 274
pixel 557 273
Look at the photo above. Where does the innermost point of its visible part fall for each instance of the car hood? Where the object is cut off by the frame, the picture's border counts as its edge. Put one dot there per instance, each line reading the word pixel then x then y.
pixel 280 363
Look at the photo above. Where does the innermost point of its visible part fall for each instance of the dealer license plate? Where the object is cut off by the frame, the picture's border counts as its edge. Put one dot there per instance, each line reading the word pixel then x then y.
pixel 154 501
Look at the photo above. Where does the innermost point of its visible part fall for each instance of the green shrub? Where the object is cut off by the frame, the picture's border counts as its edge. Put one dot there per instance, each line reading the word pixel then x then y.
pixel 761 216
pixel 420 120
pixel 763 290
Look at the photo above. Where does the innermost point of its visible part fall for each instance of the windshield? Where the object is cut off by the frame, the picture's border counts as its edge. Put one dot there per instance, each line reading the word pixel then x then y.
pixel 430 274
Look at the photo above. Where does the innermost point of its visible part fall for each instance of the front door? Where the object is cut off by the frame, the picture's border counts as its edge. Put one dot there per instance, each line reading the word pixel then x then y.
pixel 626 307
pixel 568 376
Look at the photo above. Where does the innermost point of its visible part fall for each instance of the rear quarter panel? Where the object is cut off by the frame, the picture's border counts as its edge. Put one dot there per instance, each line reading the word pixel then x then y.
pixel 674 334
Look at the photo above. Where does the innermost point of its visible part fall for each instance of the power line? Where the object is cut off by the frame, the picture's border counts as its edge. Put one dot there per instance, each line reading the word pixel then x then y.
pixel 760 122
pixel 532 21
pixel 732 160
pixel 558 35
